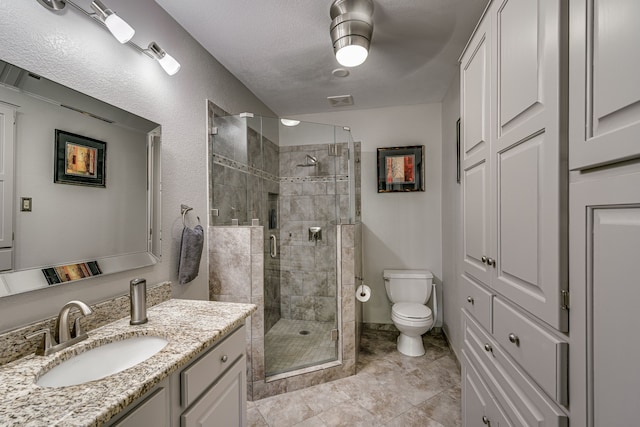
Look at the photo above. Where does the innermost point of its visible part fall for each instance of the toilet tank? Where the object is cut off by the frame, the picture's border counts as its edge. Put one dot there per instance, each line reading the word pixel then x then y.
pixel 408 285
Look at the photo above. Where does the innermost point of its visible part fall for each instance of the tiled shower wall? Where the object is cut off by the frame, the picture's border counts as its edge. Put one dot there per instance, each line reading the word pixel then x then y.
pixel 236 260
pixel 311 197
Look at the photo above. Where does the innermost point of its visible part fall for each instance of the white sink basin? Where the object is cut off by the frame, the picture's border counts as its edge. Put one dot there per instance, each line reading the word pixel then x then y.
pixel 102 361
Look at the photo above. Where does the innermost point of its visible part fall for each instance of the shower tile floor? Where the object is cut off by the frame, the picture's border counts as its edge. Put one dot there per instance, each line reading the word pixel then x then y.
pixel 286 348
pixel 389 390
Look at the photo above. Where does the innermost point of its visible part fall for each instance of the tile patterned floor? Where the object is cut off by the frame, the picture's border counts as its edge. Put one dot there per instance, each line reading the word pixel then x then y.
pixel 390 390
pixel 286 349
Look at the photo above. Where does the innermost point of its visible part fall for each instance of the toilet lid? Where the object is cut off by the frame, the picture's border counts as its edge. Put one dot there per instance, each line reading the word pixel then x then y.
pixel 410 310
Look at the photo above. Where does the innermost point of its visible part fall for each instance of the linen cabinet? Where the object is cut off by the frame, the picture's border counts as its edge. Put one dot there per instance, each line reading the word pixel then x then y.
pixel 604 212
pixel 515 211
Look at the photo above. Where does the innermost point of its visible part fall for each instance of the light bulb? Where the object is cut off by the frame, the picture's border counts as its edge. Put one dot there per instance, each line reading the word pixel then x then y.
pixel 119 28
pixel 169 64
pixel 351 55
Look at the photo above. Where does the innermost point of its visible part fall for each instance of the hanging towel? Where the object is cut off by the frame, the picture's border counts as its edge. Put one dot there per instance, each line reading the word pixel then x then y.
pixel 190 253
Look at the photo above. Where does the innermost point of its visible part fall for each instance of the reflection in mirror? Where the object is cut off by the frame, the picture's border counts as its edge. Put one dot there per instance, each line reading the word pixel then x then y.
pixel 93 230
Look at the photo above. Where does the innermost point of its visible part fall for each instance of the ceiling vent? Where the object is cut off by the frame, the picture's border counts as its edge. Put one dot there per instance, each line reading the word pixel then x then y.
pixel 340 100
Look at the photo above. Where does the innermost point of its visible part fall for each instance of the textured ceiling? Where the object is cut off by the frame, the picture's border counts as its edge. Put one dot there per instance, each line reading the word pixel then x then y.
pixel 281 49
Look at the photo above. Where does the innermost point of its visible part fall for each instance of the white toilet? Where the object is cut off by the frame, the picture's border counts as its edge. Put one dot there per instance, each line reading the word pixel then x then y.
pixel 409 291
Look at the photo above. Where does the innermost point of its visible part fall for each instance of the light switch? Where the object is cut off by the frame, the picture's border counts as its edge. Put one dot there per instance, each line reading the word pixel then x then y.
pixel 25 204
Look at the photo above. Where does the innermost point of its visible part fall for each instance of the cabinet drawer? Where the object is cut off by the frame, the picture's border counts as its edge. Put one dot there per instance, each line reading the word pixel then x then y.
pixel 477 301
pixel 523 401
pixel 542 355
pixel 152 412
pixel 203 372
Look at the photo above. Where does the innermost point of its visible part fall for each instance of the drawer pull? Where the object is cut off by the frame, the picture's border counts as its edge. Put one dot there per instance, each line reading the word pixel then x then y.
pixel 491 262
pixel 224 359
pixel 470 300
pixel 487 347
pixel 486 421
pixel 484 259
pixel 513 338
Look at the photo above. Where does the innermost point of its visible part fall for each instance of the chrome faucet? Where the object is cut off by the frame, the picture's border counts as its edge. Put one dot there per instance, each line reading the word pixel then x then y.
pixel 63 338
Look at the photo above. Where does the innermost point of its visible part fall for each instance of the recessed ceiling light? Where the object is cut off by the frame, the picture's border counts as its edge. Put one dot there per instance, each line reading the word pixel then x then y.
pixel 290 122
pixel 340 72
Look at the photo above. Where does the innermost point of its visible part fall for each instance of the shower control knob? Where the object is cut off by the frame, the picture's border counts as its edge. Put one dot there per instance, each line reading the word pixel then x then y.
pixel 224 359
pixel 470 300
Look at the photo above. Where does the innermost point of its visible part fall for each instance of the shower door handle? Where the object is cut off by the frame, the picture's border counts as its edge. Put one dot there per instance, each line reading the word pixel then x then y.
pixel 274 246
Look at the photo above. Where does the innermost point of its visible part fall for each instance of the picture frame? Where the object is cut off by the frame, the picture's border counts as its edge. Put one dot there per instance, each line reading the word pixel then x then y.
pixel 401 169
pixel 458 171
pixel 79 160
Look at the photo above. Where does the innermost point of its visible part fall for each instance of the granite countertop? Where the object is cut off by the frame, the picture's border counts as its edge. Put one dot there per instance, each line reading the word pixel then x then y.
pixel 190 326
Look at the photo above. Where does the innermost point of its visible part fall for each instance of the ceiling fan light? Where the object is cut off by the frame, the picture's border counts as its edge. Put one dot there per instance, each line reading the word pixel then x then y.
pixel 351 55
pixel 290 122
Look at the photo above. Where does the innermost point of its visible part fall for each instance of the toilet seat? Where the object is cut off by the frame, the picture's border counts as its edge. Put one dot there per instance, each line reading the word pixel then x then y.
pixel 411 312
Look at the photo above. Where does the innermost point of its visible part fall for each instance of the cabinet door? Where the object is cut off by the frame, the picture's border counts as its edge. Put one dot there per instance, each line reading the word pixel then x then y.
pixel 605 94
pixel 152 412
pixel 605 239
pixel 478 406
pixel 225 403
pixel 530 204
pixel 475 137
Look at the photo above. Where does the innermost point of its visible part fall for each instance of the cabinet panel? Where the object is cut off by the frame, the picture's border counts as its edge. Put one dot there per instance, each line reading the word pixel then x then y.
pixel 153 412
pixel 518 60
pixel 474 92
pixel 530 243
pixel 479 408
pixel 605 263
pixel 477 301
pixel 204 371
pixel 522 399
pixel 615 295
pixel 226 401
pixel 604 63
pixel 475 219
pixel 541 354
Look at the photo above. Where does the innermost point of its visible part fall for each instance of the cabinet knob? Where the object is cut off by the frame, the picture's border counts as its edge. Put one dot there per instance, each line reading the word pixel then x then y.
pixel 488 347
pixel 514 339
pixel 485 420
pixel 470 300
pixel 224 359
pixel 491 262
pixel 484 259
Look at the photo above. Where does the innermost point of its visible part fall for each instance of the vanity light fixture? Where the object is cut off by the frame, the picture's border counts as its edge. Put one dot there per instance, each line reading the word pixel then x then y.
pixel 119 28
pixel 351 30
pixel 168 63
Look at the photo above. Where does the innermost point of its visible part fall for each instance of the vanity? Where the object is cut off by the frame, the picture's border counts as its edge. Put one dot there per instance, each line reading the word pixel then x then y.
pixel 199 375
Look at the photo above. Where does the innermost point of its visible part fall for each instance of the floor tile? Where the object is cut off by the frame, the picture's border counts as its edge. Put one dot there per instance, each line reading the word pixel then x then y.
pixel 389 389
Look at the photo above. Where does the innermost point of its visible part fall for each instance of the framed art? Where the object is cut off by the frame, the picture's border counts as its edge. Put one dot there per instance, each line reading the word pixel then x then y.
pixel 401 169
pixel 458 151
pixel 79 160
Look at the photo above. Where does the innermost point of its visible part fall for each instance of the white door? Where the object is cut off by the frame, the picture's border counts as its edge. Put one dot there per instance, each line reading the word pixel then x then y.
pixel 530 205
pixel 605 94
pixel 475 140
pixel 7 133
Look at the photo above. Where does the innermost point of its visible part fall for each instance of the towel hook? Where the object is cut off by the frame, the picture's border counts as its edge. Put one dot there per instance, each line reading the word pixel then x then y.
pixel 183 210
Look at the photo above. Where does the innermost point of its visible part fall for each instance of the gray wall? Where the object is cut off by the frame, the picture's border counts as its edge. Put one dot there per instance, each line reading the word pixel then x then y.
pixel 451 219
pixel 73 50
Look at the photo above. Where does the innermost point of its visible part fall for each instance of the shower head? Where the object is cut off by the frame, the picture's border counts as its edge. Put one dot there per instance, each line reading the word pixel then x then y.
pixel 309 161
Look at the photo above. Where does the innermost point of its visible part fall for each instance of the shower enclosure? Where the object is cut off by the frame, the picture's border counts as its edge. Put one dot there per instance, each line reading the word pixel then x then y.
pixel 293 187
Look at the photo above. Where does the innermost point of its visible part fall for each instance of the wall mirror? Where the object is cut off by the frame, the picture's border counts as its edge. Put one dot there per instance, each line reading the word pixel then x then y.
pixel 79 185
